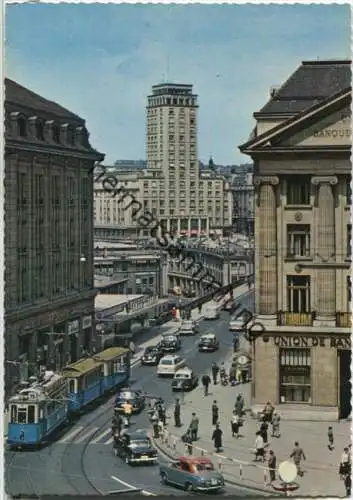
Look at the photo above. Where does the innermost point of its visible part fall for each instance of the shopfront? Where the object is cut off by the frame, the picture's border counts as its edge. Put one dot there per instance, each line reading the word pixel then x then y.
pixel 304 370
pixel 73 329
pixel 87 332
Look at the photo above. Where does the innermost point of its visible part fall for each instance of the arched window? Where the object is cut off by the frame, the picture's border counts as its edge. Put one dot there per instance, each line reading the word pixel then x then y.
pixel 56 134
pixel 22 126
pixel 39 131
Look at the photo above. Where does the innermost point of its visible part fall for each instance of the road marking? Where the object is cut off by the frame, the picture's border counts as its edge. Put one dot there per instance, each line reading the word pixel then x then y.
pixel 101 436
pixel 110 440
pixel 86 435
pixel 71 434
pixel 130 487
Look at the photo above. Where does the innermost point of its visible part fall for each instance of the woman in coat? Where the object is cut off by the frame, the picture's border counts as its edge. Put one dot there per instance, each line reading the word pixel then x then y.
pixel 217 438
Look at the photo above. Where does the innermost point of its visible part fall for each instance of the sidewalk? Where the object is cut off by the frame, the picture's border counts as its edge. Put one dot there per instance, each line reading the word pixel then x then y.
pixel 236 460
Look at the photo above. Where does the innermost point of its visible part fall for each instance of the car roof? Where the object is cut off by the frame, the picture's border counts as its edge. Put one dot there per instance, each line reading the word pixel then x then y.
pixel 136 434
pixel 170 334
pixel 185 369
pixel 196 460
pixel 171 356
pixel 208 335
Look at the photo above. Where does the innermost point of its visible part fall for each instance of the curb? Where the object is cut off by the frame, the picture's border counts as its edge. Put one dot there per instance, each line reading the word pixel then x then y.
pixel 235 483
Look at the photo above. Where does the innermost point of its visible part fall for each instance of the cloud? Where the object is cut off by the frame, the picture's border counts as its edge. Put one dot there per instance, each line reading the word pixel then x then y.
pixel 100 61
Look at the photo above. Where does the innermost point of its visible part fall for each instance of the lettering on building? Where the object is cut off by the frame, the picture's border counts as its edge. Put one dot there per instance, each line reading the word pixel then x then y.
pixel 333 133
pixel 333 341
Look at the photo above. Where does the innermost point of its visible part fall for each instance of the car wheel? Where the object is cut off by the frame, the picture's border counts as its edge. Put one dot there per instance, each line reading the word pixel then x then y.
pixel 164 478
pixel 188 487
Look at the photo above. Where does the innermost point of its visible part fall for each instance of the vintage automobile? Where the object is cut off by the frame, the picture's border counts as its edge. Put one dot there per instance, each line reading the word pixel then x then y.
pixel 208 343
pixel 135 397
pixel 188 327
pixel 193 474
pixel 170 343
pixel 152 355
pixel 212 312
pixel 184 380
pixel 236 324
pixel 135 447
pixel 169 364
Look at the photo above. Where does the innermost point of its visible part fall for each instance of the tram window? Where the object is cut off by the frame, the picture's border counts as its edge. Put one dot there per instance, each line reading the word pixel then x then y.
pixel 13 413
pixel 22 416
pixel 31 414
pixel 72 386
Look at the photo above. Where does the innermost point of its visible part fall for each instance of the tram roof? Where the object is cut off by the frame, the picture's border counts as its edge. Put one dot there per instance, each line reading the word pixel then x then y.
pixel 80 367
pixel 110 353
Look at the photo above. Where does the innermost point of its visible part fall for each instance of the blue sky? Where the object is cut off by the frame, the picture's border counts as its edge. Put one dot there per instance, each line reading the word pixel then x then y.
pixel 100 61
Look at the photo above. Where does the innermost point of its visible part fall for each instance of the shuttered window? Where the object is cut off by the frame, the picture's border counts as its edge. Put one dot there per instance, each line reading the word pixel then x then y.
pixel 295 375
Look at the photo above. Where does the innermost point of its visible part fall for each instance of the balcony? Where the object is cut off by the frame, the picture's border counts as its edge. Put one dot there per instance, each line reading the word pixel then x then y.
pixel 285 318
pixel 344 319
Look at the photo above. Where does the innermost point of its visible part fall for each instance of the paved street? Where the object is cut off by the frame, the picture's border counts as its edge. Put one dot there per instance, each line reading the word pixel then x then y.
pixel 81 461
pixel 321 465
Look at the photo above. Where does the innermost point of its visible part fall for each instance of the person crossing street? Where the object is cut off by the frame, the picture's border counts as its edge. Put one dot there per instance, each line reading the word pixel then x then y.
pixel 206 382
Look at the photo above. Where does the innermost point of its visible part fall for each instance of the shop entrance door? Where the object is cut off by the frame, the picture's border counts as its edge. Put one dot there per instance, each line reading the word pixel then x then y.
pixel 345 386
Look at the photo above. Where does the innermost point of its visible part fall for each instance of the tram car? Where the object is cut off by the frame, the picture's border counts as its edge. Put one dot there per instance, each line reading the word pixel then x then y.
pixel 90 378
pixel 37 411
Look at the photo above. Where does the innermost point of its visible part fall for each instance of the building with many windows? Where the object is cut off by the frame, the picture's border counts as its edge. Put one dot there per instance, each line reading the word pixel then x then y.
pixel 301 149
pixel 171 188
pixel 243 200
pixel 49 291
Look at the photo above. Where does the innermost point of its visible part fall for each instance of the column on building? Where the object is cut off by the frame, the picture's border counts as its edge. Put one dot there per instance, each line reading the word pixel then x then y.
pixel 325 250
pixel 189 226
pixel 267 250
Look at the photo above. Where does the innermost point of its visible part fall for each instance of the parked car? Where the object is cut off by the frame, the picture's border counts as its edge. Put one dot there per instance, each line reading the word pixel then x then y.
pixel 135 397
pixel 169 364
pixel 193 474
pixel 170 343
pixel 212 311
pixel 236 325
pixel 135 447
pixel 188 327
pixel 208 343
pixel 152 355
pixel 184 380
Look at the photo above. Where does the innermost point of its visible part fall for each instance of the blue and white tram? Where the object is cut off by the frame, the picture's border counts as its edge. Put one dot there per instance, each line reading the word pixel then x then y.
pixel 36 411
pixel 116 364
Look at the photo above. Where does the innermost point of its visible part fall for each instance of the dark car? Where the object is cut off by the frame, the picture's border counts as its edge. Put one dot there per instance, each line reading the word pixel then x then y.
pixel 208 343
pixel 170 343
pixel 135 397
pixel 135 447
pixel 152 355
pixel 184 380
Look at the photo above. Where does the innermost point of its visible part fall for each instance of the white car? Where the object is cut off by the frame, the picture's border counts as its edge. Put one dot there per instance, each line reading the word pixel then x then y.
pixel 188 328
pixel 236 325
pixel 212 312
pixel 169 364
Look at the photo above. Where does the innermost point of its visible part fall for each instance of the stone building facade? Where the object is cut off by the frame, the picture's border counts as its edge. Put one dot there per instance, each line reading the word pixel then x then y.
pixel 49 292
pixel 171 188
pixel 301 149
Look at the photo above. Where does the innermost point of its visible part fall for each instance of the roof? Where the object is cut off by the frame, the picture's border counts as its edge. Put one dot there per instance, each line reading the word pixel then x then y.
pixel 184 369
pixel 110 354
pixel 171 356
pixel 80 368
pixel 208 335
pixel 312 82
pixel 104 301
pixel 19 95
pixel 136 434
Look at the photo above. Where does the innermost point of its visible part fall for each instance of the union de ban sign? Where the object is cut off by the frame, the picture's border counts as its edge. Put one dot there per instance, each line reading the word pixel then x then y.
pixel 333 341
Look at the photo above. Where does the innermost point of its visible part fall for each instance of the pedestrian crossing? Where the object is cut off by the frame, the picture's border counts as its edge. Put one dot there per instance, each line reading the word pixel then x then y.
pixel 83 435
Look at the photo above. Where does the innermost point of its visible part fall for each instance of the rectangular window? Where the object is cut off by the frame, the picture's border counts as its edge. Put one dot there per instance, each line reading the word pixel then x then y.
pixel 298 240
pixel 298 294
pixel 298 190
pixel 349 292
pixel 348 191
pixel 349 240
pixel 295 375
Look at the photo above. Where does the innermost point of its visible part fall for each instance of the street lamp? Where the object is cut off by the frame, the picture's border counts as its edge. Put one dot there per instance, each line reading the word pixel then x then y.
pixel 82 258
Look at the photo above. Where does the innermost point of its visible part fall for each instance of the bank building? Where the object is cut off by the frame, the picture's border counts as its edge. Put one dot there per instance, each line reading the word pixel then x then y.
pixel 301 148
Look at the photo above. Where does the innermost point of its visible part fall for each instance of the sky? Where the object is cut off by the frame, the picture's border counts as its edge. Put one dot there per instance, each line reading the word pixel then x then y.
pixel 101 60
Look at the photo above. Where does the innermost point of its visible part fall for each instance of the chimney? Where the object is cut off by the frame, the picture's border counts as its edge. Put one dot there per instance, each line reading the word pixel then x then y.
pixel 274 89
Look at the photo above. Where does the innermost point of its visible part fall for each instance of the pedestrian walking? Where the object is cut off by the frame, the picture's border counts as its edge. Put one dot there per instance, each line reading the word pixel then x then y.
pixel 348 483
pixel 215 413
pixel 239 405
pixel 330 445
pixel 117 424
pixel 200 308
pixel 297 455
pixel 177 409
pixel 345 463
pixel 263 431
pixel 162 414
pixel 155 424
pixel 127 409
pixel 215 371
pixel 194 427
pixel 238 375
pixel 235 424
pixel 272 462
pixel 259 447
pixel 188 441
pixel 206 382
pixel 217 438
pixel 268 412
pixel 275 425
